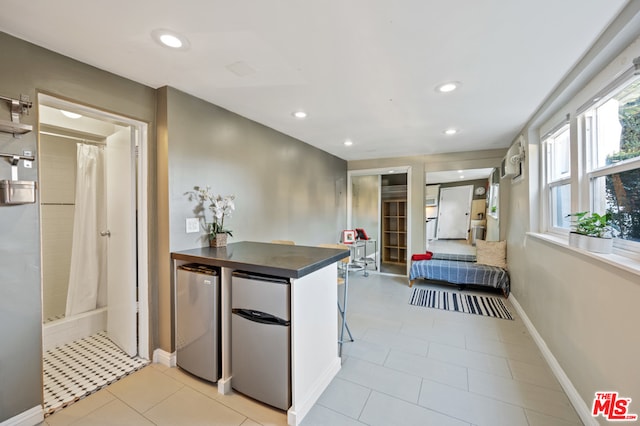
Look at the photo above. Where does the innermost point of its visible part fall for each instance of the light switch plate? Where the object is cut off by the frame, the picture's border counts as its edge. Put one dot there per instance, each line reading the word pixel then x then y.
pixel 193 225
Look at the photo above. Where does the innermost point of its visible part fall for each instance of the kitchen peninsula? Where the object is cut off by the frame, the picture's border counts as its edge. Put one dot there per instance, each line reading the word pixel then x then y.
pixel 313 306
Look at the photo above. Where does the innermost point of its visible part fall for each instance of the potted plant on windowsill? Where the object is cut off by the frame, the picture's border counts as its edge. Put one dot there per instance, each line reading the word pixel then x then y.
pixel 220 208
pixel 592 232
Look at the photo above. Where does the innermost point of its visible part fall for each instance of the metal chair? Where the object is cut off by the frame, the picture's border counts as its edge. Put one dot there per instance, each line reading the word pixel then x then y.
pixel 343 269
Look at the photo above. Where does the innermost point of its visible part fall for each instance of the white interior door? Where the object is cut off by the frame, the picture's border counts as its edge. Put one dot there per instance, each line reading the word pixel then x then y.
pixel 454 212
pixel 121 223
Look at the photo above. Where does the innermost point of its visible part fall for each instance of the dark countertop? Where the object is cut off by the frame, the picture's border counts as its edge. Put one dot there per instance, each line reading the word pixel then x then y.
pixel 272 259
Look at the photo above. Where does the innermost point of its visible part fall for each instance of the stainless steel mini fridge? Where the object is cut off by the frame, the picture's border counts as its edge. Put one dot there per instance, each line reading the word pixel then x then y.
pixel 260 338
pixel 198 321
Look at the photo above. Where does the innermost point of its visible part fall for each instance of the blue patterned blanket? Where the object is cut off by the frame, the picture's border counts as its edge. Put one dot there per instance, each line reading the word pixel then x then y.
pixel 461 272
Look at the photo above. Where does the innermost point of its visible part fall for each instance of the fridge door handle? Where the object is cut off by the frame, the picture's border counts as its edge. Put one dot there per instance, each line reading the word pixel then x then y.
pixel 260 317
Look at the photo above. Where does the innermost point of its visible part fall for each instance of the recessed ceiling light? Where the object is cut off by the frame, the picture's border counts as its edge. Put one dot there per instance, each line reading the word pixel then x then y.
pixel 392 171
pixel 461 177
pixel 70 114
pixel 170 39
pixel 459 171
pixel 300 114
pixel 450 132
pixel 448 86
pixel 348 142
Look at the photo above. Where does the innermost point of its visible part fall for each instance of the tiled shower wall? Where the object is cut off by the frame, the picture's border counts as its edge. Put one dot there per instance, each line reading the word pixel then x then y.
pixel 57 196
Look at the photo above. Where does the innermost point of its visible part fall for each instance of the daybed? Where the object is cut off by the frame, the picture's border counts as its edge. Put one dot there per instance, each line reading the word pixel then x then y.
pixel 466 269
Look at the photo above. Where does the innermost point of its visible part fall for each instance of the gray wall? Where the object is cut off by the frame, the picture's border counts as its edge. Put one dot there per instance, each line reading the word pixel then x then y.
pixel 365 199
pixel 27 70
pixel 284 189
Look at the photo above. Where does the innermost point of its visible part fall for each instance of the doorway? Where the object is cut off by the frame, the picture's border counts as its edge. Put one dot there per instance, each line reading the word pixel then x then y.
pixel 474 199
pixel 93 198
pixel 378 201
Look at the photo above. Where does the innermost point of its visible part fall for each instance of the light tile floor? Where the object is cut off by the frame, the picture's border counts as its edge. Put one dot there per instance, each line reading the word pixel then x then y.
pixel 409 365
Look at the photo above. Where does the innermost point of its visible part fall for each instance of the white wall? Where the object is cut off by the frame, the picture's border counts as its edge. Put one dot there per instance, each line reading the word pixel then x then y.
pixel 57 198
pixel 583 308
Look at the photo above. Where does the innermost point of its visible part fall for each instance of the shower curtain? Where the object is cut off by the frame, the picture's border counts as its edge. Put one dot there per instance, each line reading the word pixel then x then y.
pixel 87 275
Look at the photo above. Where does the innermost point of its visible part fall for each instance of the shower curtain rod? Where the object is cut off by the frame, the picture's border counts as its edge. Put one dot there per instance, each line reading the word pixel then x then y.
pixel 86 141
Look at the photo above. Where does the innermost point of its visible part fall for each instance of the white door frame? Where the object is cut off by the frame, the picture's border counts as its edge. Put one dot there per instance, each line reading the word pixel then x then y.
pixel 141 140
pixel 379 172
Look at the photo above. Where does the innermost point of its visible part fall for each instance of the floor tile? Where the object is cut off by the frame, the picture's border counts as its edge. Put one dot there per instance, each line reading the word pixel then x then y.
pixel 205 387
pixel 543 400
pixel 82 367
pixel 384 410
pixel 469 325
pixel 397 341
pixel 474 360
pixel 428 368
pixel 114 413
pixel 401 385
pixel 430 334
pixel 255 410
pixel 472 408
pixel 540 375
pixel 526 352
pixel 249 422
pixel 80 409
pixel 322 416
pixel 189 407
pixel 145 389
pixel 366 351
pixel 345 397
pixel 539 419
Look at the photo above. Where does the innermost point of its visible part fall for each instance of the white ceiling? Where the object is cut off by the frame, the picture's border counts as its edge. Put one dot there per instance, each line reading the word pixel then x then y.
pixel 363 69
pixel 457 175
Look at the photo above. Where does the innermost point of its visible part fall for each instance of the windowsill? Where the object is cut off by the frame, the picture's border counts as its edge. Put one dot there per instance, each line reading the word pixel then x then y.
pixel 629 263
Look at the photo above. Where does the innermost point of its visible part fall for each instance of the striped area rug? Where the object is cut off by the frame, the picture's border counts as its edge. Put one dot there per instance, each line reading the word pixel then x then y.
pixel 467 303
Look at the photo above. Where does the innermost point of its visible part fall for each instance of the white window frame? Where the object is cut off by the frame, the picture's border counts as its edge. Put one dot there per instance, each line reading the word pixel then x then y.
pixel 550 184
pixel 589 175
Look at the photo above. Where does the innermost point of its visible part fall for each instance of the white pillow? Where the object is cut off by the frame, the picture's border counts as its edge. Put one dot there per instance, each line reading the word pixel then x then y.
pixel 492 253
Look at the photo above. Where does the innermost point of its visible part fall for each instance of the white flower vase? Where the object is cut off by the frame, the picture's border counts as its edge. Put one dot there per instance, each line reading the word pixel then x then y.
pixel 592 244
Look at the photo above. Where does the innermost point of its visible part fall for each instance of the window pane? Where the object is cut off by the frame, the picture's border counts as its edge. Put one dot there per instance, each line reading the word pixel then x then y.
pixel 560 156
pixel 618 128
pixel 619 194
pixel 561 206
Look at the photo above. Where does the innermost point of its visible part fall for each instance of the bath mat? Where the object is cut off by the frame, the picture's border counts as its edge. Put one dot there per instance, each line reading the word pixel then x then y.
pixel 467 303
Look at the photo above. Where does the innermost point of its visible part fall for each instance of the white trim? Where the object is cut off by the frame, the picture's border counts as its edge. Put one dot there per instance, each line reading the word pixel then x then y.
pixel 629 261
pixel 294 417
pixel 143 239
pixel 142 135
pixel 164 358
pixel 30 417
pixel 224 386
pixel 379 172
pixel 572 393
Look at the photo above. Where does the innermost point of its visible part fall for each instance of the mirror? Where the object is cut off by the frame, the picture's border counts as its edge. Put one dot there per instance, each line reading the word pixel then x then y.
pixel 461 207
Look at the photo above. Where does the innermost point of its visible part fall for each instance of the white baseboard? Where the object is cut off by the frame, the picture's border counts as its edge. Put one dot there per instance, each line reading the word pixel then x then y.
pixel 572 393
pixel 296 413
pixel 30 417
pixel 224 386
pixel 164 358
